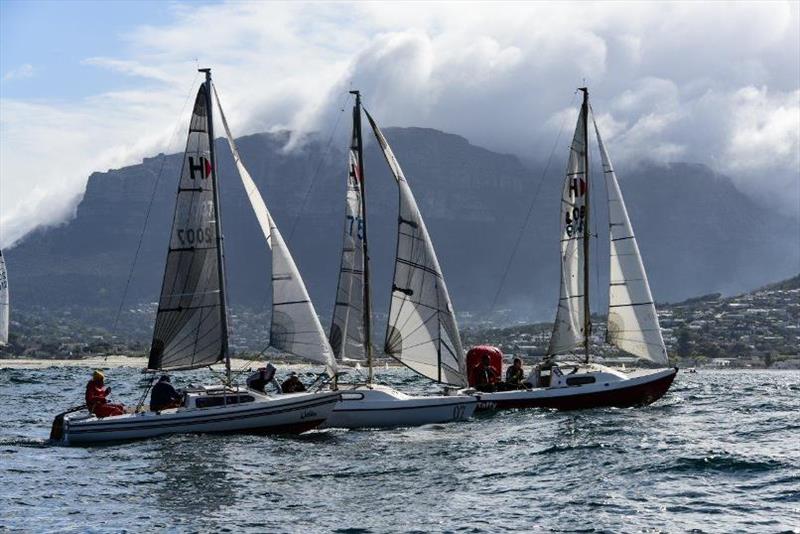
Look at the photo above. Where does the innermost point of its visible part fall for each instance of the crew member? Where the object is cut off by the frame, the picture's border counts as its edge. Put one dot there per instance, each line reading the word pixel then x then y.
pixel 292 384
pixel 515 374
pixel 164 395
pixel 486 377
pixel 97 397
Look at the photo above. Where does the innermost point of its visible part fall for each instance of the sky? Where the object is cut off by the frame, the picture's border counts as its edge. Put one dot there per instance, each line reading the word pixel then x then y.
pixel 89 86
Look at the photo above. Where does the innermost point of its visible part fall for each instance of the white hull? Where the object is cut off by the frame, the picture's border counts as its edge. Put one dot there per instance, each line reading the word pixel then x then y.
pixel 292 413
pixel 382 406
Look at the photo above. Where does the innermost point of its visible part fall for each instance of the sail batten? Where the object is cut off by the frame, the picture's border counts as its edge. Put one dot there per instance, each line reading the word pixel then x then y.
pixel 294 326
pixel 632 320
pixel 190 330
pixel 422 332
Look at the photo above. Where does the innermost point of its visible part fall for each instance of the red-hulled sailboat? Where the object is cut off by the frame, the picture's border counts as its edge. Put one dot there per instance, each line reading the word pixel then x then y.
pixel 632 321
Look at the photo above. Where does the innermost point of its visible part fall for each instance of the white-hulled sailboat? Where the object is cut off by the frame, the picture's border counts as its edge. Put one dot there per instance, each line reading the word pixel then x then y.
pixel 632 320
pixel 191 329
pixel 421 333
pixel 4 303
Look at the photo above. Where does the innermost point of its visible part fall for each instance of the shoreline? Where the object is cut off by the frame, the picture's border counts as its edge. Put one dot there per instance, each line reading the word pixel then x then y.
pixel 238 364
pixel 114 361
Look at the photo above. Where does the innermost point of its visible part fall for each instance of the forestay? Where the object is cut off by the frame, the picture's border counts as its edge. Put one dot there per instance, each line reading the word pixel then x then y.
pixel 632 320
pixel 189 329
pixel 4 302
pixel 347 327
pixel 568 331
pixel 422 331
pixel 295 327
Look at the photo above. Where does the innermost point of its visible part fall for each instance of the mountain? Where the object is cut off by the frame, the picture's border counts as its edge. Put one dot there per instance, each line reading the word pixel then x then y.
pixel 697 232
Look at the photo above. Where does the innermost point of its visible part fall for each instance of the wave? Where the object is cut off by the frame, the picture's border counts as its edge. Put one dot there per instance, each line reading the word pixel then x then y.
pixel 40 443
pixel 727 463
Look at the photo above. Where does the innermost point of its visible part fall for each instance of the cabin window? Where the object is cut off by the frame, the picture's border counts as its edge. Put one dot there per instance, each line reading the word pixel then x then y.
pixel 580 380
pixel 220 400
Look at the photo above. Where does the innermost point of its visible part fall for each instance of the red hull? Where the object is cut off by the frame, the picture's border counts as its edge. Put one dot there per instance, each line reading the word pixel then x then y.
pixel 640 394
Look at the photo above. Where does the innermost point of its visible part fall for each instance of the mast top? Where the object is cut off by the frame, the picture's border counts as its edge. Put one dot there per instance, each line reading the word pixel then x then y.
pixel 206 70
pixel 585 90
pixel 356 92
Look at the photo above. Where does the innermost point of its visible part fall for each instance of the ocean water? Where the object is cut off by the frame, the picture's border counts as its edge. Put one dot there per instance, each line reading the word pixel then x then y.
pixel 719 453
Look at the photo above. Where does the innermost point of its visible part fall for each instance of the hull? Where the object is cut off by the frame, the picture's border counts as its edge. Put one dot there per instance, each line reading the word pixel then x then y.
pixel 383 407
pixel 289 414
pixel 623 392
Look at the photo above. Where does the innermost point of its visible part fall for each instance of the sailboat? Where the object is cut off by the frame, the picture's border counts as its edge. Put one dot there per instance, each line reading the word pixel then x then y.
pixel 632 320
pixel 4 305
pixel 420 335
pixel 191 327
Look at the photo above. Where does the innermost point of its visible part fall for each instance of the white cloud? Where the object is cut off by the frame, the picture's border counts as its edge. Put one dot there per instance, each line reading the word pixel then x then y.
pixel 714 83
pixel 23 71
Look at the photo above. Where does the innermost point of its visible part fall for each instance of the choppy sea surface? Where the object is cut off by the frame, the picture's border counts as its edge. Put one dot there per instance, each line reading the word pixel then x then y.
pixel 719 453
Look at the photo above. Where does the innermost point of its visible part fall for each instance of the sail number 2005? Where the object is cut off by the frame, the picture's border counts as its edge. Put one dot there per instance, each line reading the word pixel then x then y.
pixel 193 236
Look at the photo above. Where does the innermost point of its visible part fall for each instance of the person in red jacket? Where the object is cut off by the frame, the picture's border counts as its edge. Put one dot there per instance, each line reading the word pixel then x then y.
pixel 97 397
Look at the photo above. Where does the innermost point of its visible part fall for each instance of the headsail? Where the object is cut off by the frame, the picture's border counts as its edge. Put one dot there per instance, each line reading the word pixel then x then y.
pixel 347 334
pixel 422 332
pixel 190 329
pixel 568 331
pixel 295 326
pixel 4 302
pixel 632 320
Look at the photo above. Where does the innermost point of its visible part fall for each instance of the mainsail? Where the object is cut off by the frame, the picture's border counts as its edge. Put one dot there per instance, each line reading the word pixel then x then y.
pixel 422 331
pixel 295 327
pixel 632 320
pixel 3 301
pixel 568 331
pixel 347 334
pixel 190 329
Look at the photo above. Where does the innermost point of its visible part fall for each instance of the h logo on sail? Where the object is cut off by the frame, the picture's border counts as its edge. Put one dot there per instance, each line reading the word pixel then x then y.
pixel 203 166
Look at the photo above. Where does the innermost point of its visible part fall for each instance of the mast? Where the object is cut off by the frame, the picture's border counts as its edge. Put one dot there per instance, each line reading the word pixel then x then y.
pixel 587 319
pixel 366 292
pixel 218 228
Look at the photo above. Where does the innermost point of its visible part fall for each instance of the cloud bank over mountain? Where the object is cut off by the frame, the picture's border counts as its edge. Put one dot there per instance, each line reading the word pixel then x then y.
pixel 701 82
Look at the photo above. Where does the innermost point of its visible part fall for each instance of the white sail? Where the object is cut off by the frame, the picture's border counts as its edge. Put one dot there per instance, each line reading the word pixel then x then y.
pixel 347 327
pixel 295 326
pixel 569 325
pixel 190 326
pixel 632 320
pixel 4 303
pixel 422 332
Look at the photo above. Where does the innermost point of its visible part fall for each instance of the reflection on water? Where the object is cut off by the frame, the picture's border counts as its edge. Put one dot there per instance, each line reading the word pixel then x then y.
pixel 719 453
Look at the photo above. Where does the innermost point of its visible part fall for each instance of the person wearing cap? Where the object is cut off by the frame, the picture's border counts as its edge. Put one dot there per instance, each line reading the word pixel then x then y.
pixel 164 396
pixel 97 397
pixel 293 384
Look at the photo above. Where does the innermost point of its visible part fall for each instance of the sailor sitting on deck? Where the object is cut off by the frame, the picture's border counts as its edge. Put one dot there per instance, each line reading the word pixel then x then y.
pixel 262 376
pixel 485 376
pixel 164 395
pixel 292 384
pixel 515 375
pixel 97 397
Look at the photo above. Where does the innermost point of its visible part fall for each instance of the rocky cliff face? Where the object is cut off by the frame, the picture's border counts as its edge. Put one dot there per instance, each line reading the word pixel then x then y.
pixel 697 232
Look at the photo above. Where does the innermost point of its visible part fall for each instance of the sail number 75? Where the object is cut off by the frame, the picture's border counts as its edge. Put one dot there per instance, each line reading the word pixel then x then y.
pixel 358 222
